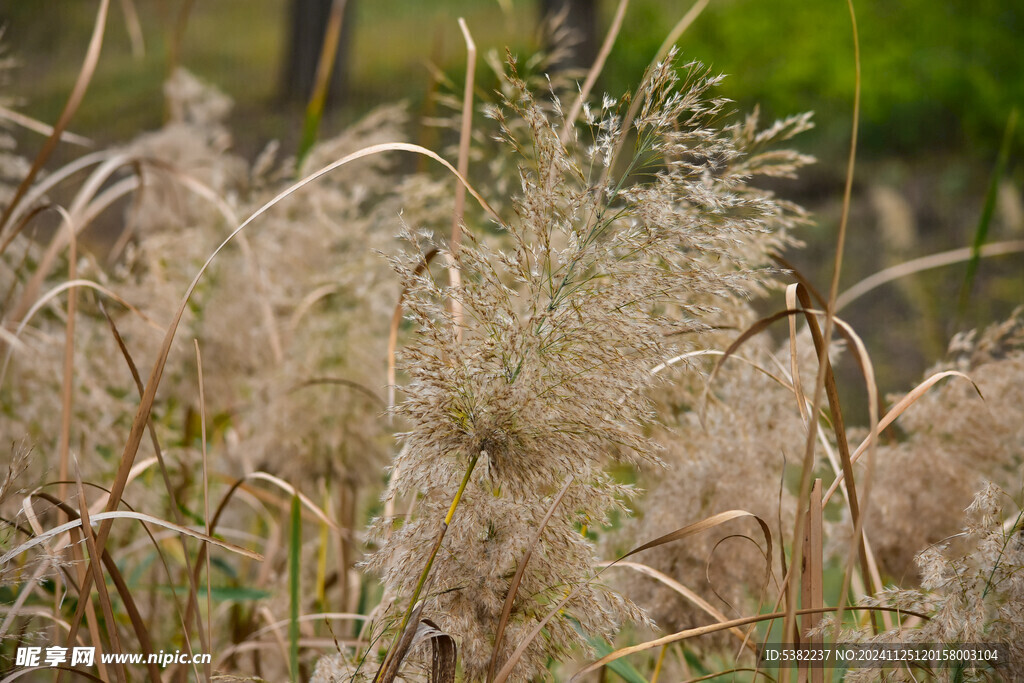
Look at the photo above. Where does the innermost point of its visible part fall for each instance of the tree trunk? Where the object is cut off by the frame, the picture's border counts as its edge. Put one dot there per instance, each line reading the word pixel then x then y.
pixel 307 24
pixel 579 17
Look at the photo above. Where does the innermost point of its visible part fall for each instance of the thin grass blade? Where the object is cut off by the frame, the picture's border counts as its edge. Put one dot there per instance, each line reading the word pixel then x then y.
pixel 92 57
pixel 322 81
pixel 981 232
pixel 513 587
pixel 294 555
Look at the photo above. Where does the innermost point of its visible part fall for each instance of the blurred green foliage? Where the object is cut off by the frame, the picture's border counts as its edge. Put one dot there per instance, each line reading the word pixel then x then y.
pixel 937 74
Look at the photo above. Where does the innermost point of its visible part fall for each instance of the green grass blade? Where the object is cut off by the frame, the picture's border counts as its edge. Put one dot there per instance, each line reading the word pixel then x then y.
pixel 294 547
pixel 981 232
pixel 620 667
pixel 322 82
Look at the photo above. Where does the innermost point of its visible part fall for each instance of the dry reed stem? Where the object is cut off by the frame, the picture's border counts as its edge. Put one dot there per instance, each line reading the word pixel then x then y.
pixel 465 133
pixel 415 606
pixel 822 376
pixel 56 291
pixel 806 470
pixel 67 385
pixel 89 191
pixel 894 412
pixel 47 534
pixel 713 628
pixel 85 74
pixel 123 591
pixel 794 358
pixel 134 28
pixel 736 670
pixel 859 537
pixel 865 365
pixel 594 72
pixel 813 584
pixel 834 293
pixel 838 426
pixel 35 126
pixel 38 191
pixel 658 663
pixel 78 557
pixel 678 534
pixel 680 28
pixel 67 382
pixel 193 597
pixel 686 593
pixel 513 588
pixel 938 260
pixel 101 585
pixel 832 394
pixel 177 37
pixel 206 504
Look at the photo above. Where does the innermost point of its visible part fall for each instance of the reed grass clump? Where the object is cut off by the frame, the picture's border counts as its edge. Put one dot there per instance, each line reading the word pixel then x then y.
pixel 288 326
pixel 587 331
pixel 956 437
pixel 729 446
pixel 972 592
pixel 615 249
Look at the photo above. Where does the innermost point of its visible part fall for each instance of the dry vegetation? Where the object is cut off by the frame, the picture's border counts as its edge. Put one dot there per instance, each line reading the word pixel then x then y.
pixel 323 419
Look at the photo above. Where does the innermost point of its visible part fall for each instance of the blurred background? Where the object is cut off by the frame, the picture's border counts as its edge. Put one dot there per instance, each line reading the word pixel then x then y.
pixel 941 79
